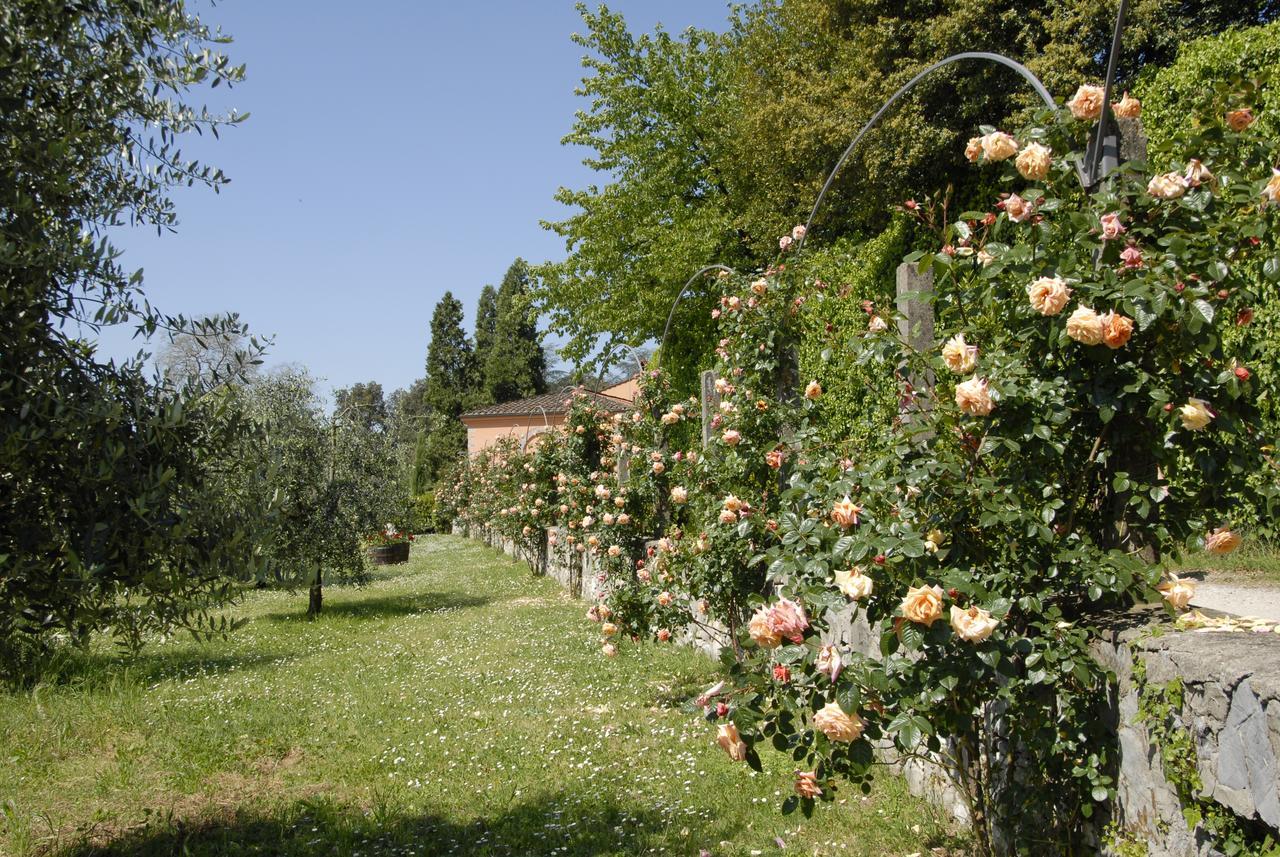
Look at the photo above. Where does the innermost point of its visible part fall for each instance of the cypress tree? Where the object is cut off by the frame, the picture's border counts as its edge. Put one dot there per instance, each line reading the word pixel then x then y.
pixel 515 366
pixel 449 382
pixel 486 325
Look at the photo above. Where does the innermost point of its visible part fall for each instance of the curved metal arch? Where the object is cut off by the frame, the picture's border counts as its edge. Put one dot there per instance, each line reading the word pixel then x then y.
pixel 662 343
pixel 884 108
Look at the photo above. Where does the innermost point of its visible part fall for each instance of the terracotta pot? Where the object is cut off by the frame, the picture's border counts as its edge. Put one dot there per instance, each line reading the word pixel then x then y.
pixel 388 554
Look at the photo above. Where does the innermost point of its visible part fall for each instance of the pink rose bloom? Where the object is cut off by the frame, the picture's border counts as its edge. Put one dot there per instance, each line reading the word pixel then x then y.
pixel 1112 228
pixel 798 232
pixel 663 635
pixel 787 619
pixel 784 243
pixel 1019 210
pixel 1086 104
pixel 829 662
pixel 1131 257
pixel 732 437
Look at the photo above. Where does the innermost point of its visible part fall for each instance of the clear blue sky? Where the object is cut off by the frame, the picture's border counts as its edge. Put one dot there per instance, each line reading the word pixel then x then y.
pixel 396 150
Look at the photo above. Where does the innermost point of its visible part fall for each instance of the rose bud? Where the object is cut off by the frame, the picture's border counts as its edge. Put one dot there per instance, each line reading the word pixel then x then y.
pixel 1179 286
pixel 880 559
pixel 1242 373
pixel 1168 408
pixel 721 709
pixel 1223 294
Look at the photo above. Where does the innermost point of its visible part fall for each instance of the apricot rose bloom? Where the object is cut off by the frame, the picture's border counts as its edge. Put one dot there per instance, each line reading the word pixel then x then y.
pixel 877 324
pixel 829 662
pixel 807 784
pixel 731 742
pixel 1167 186
pixel 812 390
pixel 853 583
pixel 974 398
pixel 731 437
pixel 1112 228
pixel 761 630
pixel 1085 326
pixel 972 625
pixel 1033 162
pixel 997 146
pixel 1195 414
pixel 845 513
pixel 1127 107
pixel 727 517
pixel 1018 209
pixel 1271 193
pixel 973 150
pixel 923 604
pixel 1221 541
pixel 665 598
pixel 788 620
pixel 1116 329
pixel 959 355
pixel 1086 104
pixel 679 495
pixel 1238 120
pixel 838 726
pixel 610 650
pixel 1048 295
pixel 1178 591
pixel 608 629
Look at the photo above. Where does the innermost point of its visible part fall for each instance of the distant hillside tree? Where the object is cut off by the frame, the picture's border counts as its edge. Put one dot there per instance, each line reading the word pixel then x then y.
pixel 515 367
pixel 363 404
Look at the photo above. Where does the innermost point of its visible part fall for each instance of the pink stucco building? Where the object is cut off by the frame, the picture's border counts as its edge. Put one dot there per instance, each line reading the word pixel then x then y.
pixel 525 419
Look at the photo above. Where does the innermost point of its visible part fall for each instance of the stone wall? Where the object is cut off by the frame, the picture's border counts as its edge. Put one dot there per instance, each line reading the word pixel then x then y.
pixel 1231 709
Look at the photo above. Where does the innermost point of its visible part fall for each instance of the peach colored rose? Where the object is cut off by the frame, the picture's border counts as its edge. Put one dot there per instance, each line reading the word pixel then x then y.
pixel 608 629
pixel 773 458
pixel 659 468
pixel 812 390
pixel 614 550
pixel 663 635
pixel 973 150
pixel 1034 161
pixel 1086 104
pixel 1271 193
pixel 972 625
pixel 836 725
pixel 1018 209
pixel 784 243
pixel 1116 329
pixel 1221 541
pixel 1167 186
pixel 985 258
pixel 807 784
pixel 798 232
pixel 1198 174
pixel 853 583
pixel 679 495
pixel 787 619
pixel 923 604
pixel 1238 120
pixel 732 437
pixel 877 324
pixel 732 503
pixel 1195 414
pixel 1112 228
pixel 731 742
pixel 1178 591
pixel 762 631
pixel 760 287
pixel 623 519
pixel 670 419
pixel 997 146
pixel 727 517
pixel 665 598
pixel 1127 107
pixel 1085 326
pixel 610 650
pixel 845 513
pixel 829 662
pixel 959 355
pixel 973 397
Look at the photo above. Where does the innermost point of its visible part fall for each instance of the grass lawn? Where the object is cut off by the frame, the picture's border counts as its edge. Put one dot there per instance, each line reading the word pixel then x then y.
pixel 1254 563
pixel 453 706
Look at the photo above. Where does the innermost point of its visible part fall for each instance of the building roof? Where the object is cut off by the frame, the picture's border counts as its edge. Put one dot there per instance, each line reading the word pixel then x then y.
pixel 550 403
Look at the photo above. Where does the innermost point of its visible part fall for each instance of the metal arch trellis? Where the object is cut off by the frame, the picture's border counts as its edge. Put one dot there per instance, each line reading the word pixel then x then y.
pixel 662 343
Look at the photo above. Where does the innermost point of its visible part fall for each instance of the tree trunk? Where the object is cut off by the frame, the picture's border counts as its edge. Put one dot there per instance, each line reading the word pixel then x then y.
pixel 317 595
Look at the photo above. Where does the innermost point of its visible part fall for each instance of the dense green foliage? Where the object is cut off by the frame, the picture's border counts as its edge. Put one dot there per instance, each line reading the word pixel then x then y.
pixel 710 146
pixel 449 382
pixel 514 366
pixel 362 403
pixel 112 509
pixel 486 323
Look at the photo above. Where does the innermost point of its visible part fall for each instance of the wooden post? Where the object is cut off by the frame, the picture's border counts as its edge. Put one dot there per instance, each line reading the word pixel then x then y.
pixel 915 322
pixel 710 405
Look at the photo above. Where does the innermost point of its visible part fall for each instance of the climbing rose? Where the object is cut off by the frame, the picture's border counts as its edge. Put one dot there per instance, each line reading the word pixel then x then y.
pixel 829 662
pixel 727 517
pixel 665 598
pixel 760 287
pixel 1238 120
pixel 1221 541
pixel 877 324
pixel 1167 186
pixel 798 232
pixel 733 504
pixel 1127 107
pixel 812 390
pixel 762 631
pixel 973 625
pixel 1116 329
pixel 1086 104
pixel 853 583
pixel 608 629
pixel 1272 191
pixel 731 437
pixel 1195 414
pixel 1198 174
pixel 973 150
pixel 614 550
pixel 610 650
pixel 1178 591
pixel 679 495
pixel 1034 162
pixel 729 740
pixel 997 146
pixel 659 468
pixel 1048 295
pixel 923 604
pixel 959 355
pixel 773 458
pixel 1018 209
pixel 781 673
pixel 1112 228
pixel 1085 326
pixel 788 620
pixel 836 725
pixel 1131 257
pixel 974 398
pixel 845 513
pixel 663 635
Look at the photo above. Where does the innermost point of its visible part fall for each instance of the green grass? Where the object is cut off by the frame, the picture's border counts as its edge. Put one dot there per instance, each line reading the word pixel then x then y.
pixel 453 706
pixel 1254 563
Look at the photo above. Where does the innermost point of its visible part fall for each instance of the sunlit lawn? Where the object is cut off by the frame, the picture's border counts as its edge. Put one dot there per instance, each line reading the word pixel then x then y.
pixel 454 706
pixel 1254 563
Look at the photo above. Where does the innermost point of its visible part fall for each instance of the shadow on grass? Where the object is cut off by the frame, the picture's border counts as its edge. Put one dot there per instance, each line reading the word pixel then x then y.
pixel 682 688
pixel 386 606
pixel 553 824
pixel 91 669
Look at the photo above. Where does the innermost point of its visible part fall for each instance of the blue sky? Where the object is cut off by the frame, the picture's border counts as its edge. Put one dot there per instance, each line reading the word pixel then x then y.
pixel 395 150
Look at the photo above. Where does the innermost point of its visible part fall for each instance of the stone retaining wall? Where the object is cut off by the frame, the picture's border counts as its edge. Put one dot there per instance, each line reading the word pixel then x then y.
pixel 1231 708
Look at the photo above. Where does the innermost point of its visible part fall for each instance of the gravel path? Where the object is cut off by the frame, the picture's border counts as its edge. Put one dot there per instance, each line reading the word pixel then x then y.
pixel 1257 601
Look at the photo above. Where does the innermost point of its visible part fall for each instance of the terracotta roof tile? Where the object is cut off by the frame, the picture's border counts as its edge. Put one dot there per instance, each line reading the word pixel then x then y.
pixel 550 403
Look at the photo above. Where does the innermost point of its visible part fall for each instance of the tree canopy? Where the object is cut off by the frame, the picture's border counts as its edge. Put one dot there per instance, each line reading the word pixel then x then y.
pixel 514 367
